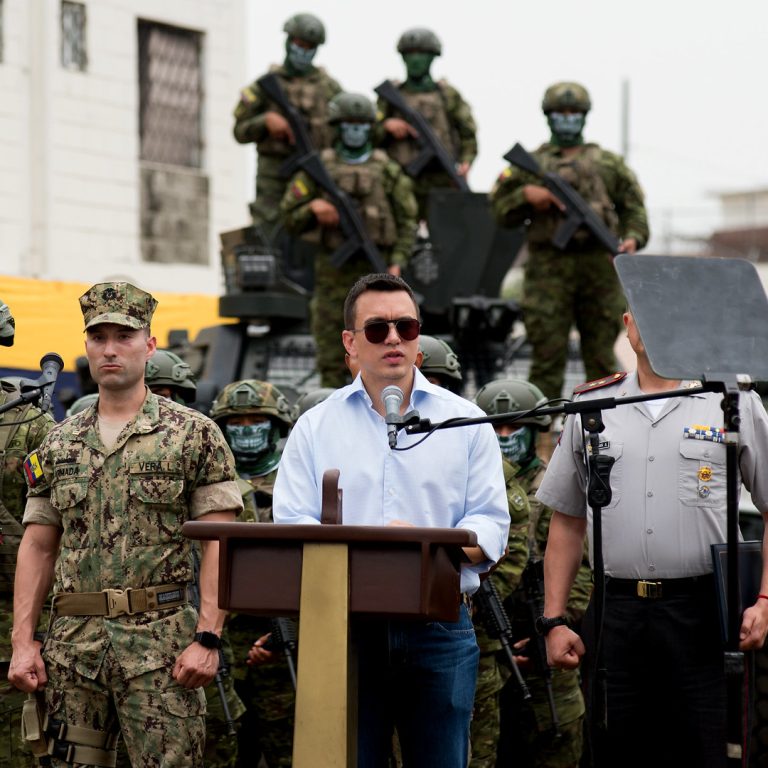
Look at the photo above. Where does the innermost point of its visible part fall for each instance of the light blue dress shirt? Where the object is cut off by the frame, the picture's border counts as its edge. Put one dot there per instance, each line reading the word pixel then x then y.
pixel 453 479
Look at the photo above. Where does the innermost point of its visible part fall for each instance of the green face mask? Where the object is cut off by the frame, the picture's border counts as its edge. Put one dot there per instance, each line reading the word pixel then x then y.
pixel 248 443
pixel 567 128
pixel 297 58
pixel 517 446
pixel 417 64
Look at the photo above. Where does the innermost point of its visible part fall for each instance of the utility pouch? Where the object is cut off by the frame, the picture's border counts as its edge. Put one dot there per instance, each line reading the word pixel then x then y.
pixel 33 725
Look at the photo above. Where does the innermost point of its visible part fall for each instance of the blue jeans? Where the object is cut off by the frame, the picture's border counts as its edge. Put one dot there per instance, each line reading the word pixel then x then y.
pixel 419 678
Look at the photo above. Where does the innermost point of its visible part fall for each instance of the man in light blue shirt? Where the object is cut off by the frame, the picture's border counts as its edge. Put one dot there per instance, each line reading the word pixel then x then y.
pixel 417 677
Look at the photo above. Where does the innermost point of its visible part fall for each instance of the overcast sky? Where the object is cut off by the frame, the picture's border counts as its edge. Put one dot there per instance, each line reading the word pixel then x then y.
pixel 696 72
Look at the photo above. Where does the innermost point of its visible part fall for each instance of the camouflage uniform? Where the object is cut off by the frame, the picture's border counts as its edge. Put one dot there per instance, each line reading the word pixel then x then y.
pixel 492 675
pixel 121 512
pixel 266 691
pixel 16 441
pixel 578 285
pixel 310 94
pixel 384 196
pixel 451 120
pixel 527 736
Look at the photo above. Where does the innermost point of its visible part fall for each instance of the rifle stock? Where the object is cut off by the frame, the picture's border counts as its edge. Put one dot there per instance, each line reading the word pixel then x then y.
pixel 578 212
pixel 431 148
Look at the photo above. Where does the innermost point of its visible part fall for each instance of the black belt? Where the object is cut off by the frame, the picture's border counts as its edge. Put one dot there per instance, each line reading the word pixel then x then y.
pixel 654 589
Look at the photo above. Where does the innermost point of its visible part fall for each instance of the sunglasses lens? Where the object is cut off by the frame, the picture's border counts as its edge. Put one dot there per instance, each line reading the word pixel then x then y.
pixel 376 332
pixel 407 330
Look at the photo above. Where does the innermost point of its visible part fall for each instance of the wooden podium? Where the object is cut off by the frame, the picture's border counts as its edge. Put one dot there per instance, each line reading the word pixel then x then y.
pixel 325 573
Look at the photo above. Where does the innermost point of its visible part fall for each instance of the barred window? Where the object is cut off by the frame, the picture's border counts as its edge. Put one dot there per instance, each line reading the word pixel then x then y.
pixel 170 95
pixel 74 54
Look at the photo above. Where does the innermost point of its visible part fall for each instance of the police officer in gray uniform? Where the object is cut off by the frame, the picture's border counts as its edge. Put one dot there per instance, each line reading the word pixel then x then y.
pixel 661 640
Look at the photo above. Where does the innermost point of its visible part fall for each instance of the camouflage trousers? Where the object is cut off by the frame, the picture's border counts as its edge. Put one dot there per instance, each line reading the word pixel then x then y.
pixel 270 186
pixel 161 722
pixel 13 752
pixel 331 287
pixel 484 729
pixel 529 738
pixel 565 289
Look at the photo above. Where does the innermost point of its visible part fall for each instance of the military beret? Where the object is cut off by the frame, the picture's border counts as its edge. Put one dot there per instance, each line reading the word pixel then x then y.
pixel 118 303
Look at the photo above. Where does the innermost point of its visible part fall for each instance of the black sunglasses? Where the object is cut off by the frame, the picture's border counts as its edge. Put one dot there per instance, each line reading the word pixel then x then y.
pixel 377 331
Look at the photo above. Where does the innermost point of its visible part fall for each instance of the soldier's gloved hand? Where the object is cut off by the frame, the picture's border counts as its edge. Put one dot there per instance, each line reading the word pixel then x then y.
pixel 278 127
pixel 541 198
pixel 196 666
pixel 325 213
pixel 399 128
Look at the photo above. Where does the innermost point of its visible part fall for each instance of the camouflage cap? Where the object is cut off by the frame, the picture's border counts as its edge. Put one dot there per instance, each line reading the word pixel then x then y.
pixel 118 303
pixel 7 326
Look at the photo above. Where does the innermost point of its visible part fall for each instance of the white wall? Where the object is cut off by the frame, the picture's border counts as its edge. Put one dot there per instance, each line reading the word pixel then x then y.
pixel 69 144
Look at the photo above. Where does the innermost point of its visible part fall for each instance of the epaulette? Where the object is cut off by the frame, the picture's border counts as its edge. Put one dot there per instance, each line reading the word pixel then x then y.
pixel 588 386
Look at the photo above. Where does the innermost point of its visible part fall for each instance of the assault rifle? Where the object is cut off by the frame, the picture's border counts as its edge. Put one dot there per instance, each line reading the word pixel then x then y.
pixel 431 147
pixel 578 212
pixel 350 223
pixel 496 623
pixel 283 638
pixel 270 84
pixel 533 585
pixel 221 673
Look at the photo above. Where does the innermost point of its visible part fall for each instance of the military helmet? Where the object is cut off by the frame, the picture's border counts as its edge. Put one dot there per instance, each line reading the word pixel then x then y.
pixel 306 27
pixel 253 396
pixel 309 400
pixel 166 369
pixel 419 39
pixel 7 326
pixel 351 107
pixel 505 395
pixel 439 359
pixel 82 403
pixel 566 96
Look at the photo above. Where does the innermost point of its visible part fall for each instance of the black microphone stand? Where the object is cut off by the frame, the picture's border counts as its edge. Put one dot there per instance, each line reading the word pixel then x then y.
pixel 599 495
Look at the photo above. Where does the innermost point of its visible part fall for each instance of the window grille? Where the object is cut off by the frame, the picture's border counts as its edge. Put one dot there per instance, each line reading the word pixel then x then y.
pixel 74 54
pixel 170 95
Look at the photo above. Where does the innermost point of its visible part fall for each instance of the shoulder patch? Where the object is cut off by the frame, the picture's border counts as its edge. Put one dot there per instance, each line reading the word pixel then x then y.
pixel 299 189
pixel 32 469
pixel 588 386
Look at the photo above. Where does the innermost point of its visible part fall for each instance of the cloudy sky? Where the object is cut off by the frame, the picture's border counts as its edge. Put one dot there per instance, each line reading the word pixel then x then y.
pixel 698 117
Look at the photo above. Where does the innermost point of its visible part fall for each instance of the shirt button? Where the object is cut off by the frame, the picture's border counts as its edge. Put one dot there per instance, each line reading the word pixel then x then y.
pixel 649 530
pixel 651 458
pixel 391 491
pixel 653 426
pixel 651 567
pixel 649 494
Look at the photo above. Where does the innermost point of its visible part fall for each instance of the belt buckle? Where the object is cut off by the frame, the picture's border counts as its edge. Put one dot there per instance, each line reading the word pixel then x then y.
pixel 650 590
pixel 118 602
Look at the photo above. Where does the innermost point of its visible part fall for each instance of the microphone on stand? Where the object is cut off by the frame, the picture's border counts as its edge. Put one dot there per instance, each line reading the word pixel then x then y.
pixel 50 366
pixel 392 397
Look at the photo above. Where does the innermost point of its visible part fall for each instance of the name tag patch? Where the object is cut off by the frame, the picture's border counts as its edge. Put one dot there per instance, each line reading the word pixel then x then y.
pixel 155 467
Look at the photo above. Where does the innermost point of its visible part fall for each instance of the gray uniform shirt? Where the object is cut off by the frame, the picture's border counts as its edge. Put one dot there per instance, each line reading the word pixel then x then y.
pixel 668 481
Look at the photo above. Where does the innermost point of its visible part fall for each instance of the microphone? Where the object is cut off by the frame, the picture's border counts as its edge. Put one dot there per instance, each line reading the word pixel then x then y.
pixel 50 366
pixel 393 399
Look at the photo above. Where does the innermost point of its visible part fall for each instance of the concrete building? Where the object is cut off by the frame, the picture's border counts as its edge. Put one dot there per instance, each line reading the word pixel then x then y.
pixel 117 159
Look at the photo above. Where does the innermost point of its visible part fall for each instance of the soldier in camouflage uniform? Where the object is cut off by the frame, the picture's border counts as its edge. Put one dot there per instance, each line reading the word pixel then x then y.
pixel 439 363
pixel 167 375
pixel 22 429
pixel 259 120
pixel 577 286
pixel 443 107
pixel 528 738
pixel 108 492
pixel 254 415
pixel 384 197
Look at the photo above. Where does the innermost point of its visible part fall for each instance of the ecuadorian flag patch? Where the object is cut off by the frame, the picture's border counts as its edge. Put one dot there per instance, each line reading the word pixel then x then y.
pixel 32 469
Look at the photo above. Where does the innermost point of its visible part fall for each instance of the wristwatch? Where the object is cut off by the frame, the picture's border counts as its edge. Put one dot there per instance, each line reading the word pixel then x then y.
pixel 544 624
pixel 208 639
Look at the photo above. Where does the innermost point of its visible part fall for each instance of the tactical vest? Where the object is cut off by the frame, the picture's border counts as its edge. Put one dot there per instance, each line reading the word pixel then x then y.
pixel 13 449
pixel 582 172
pixel 310 96
pixel 432 106
pixel 364 184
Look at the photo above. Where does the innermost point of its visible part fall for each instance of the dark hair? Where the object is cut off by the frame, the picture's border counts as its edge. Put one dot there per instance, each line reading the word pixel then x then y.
pixel 381 281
